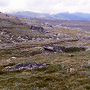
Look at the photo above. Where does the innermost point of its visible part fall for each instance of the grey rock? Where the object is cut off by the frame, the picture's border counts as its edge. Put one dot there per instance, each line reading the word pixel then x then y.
pixel 88 76
pixel 53 48
pixel 29 66
pixel 41 29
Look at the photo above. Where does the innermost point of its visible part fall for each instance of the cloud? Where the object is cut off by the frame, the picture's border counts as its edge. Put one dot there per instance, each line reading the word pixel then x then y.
pixel 45 6
pixel 17 5
pixel 4 3
pixel 56 6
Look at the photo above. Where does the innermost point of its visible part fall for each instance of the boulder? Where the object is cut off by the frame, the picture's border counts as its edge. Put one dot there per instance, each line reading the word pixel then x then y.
pixel 53 48
pixel 41 29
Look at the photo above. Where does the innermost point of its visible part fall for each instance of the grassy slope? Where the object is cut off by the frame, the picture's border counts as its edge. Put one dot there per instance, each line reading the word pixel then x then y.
pixel 67 71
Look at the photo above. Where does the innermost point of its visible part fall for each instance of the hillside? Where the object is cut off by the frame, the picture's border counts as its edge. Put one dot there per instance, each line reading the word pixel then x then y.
pixel 15 29
pixel 71 24
pixel 36 55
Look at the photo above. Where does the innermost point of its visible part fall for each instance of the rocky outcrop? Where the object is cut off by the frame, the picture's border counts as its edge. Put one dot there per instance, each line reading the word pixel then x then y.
pixel 59 49
pixel 40 29
pixel 54 48
pixel 29 66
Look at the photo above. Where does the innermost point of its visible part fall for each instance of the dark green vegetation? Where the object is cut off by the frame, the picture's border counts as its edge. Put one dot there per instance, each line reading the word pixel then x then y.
pixel 74 49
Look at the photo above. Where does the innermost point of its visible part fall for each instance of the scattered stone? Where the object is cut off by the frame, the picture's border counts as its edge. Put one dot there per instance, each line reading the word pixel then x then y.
pixel 29 66
pixel 88 49
pixel 8 67
pixel 87 38
pixel 88 63
pixel 13 57
pixel 3 33
pixel 46 52
pixel 70 55
pixel 71 70
pixel 0 41
pixel 89 77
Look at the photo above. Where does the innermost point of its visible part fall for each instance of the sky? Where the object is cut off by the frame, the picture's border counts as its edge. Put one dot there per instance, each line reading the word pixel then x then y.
pixel 45 6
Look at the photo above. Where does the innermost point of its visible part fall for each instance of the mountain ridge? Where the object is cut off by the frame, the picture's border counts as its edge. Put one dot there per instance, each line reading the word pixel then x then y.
pixel 61 16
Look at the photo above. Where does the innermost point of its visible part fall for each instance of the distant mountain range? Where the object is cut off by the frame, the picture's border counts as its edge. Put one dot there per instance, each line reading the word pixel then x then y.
pixel 73 16
pixel 61 16
pixel 32 15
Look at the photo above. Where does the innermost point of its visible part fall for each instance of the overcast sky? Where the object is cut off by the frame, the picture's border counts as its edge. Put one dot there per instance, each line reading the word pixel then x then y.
pixel 45 6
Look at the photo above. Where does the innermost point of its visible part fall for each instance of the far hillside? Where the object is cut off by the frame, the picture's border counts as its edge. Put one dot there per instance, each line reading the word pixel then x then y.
pixel 61 16
pixel 78 20
pixel 72 24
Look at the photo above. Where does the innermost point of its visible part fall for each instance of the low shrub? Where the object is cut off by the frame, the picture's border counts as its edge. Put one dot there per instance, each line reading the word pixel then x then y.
pixel 74 49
